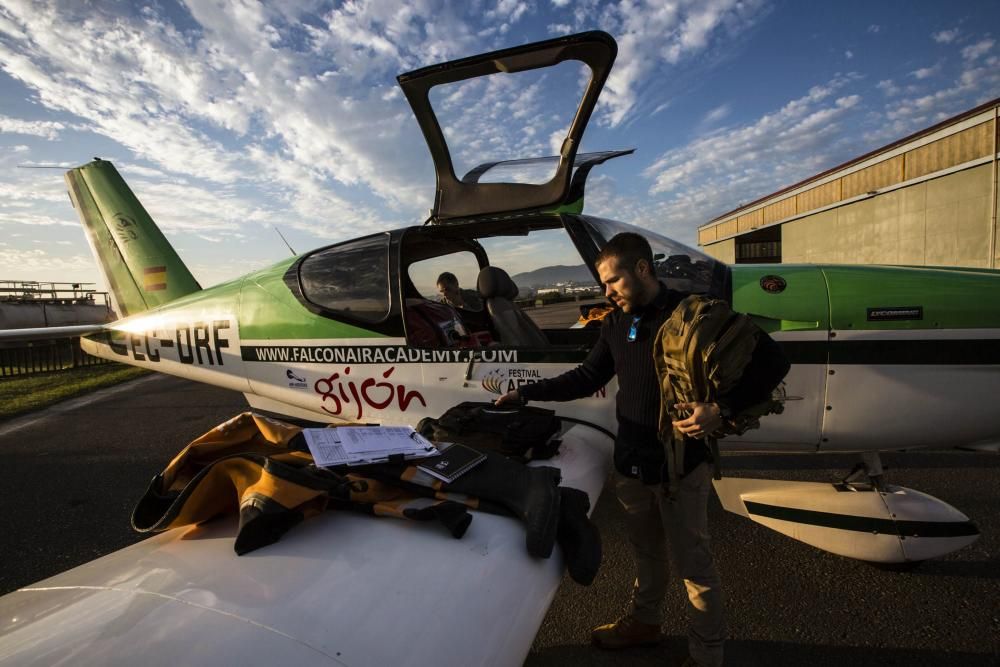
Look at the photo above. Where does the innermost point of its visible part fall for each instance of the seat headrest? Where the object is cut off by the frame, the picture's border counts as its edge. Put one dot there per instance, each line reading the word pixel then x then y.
pixel 494 282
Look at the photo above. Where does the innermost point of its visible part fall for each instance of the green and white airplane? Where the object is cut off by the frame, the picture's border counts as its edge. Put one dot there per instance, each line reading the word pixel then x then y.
pixel 883 357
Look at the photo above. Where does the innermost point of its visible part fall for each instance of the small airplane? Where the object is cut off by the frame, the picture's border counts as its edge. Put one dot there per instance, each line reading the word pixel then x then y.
pixel 883 358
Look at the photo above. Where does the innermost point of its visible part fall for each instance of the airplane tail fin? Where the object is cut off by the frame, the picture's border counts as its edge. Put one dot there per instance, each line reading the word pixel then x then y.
pixel 140 267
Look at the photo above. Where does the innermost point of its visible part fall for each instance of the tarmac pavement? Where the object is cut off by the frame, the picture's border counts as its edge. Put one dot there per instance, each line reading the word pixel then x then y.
pixel 70 476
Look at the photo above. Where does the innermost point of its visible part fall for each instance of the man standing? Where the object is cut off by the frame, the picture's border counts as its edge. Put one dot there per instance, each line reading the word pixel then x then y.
pixel 661 526
pixel 454 296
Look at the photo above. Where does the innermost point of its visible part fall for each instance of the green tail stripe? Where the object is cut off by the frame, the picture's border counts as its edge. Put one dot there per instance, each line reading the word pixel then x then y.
pixel 140 266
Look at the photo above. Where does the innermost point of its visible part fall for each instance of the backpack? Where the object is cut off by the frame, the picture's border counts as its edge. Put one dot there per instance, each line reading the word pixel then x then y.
pixel 435 324
pixel 512 431
pixel 700 353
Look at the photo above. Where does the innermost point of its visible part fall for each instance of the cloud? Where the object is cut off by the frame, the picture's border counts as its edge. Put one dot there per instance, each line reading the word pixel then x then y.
pixel 237 115
pixel 925 72
pixel 509 11
pixel 652 35
pixel 38 263
pixel 35 196
pixel 95 69
pixel 501 118
pixel 228 118
pixel 38 128
pixel 913 108
pixel 888 87
pixel 874 28
pixel 977 50
pixel 33 219
pixel 708 175
pixel 975 84
pixel 716 114
pixel 189 103
pixel 945 36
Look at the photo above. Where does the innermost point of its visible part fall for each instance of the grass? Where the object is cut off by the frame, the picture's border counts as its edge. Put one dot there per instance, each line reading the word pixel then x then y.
pixel 20 395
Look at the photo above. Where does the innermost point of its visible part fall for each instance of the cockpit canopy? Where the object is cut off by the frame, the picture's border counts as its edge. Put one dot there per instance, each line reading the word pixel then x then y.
pixel 476 96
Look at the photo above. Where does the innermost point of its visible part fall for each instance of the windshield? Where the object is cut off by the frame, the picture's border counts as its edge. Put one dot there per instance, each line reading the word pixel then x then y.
pixel 681 268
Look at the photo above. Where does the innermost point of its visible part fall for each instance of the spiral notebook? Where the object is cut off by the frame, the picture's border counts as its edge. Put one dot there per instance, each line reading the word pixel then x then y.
pixel 454 461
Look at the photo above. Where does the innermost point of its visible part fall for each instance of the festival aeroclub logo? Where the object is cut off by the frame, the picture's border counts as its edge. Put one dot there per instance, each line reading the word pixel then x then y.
pixel 501 380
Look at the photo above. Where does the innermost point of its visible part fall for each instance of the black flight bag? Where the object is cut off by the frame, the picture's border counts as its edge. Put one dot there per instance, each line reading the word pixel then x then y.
pixel 521 432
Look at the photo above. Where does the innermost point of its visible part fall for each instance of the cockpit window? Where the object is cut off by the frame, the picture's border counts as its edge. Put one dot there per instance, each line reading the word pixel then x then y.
pixel 521 284
pixel 350 279
pixel 551 278
pixel 424 274
pixel 681 268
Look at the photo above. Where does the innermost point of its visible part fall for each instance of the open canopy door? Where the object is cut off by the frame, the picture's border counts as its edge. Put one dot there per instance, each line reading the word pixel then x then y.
pixel 456 199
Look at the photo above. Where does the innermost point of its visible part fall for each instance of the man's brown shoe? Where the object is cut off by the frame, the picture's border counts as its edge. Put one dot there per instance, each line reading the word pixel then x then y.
pixel 626 632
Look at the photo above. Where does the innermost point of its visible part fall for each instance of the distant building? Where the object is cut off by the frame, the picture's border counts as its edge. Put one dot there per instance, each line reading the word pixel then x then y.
pixel 28 304
pixel 929 199
pixel 569 288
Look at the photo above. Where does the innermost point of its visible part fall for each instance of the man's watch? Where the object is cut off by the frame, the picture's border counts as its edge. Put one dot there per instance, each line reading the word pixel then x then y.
pixel 725 411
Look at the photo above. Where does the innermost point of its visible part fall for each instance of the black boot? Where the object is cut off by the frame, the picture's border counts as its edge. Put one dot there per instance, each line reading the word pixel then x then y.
pixel 578 537
pixel 530 493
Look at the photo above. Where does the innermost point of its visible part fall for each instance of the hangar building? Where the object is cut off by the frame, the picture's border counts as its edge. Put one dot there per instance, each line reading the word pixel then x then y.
pixel 929 199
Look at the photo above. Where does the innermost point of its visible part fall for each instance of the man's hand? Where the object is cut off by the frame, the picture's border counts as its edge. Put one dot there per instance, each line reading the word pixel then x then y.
pixel 705 419
pixel 513 397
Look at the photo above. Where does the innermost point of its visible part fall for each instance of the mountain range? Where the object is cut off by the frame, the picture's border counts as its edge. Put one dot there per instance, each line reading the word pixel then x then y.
pixel 548 276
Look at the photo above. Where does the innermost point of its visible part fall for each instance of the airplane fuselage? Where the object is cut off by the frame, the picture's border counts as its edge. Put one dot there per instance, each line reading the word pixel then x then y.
pixel 879 355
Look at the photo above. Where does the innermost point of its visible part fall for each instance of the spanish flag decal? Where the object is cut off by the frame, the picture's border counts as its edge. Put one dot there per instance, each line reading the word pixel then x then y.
pixel 154 278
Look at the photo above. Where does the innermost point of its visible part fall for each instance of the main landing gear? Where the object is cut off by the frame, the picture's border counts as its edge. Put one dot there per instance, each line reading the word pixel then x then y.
pixel 867 475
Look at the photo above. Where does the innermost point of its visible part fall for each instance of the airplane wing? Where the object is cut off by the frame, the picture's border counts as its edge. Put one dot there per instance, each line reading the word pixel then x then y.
pixel 49 333
pixel 338 589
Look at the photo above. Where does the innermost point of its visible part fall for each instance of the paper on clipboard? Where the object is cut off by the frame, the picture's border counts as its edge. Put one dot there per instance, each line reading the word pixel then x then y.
pixel 358 445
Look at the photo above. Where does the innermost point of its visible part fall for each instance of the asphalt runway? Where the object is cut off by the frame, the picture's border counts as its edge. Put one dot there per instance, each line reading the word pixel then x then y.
pixel 559 315
pixel 71 475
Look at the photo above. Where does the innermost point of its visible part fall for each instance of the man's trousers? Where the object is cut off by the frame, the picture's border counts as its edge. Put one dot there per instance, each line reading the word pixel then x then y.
pixel 673 531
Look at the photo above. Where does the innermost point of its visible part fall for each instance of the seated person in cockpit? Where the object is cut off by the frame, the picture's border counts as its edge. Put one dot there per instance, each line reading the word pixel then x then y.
pixel 453 295
pixel 467 302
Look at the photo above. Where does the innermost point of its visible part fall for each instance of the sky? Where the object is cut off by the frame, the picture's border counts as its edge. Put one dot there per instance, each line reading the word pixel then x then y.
pixel 231 119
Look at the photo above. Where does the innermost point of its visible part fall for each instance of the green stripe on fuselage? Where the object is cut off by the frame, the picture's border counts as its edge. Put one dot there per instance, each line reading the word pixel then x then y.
pixel 264 307
pixel 948 299
pixel 269 311
pixel 801 305
pixel 843 297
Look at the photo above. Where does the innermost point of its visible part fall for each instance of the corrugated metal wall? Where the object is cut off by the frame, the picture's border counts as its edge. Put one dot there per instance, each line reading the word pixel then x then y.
pixel 974 142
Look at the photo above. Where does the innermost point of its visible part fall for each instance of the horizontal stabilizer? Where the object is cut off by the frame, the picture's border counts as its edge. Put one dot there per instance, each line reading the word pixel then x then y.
pixel 140 267
pixel 890 526
pixel 50 333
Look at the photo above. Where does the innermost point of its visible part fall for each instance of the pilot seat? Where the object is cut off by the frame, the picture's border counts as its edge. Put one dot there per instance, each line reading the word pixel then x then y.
pixel 510 324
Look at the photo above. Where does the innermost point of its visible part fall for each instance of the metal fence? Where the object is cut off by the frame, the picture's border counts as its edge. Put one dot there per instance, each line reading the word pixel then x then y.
pixel 45 357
